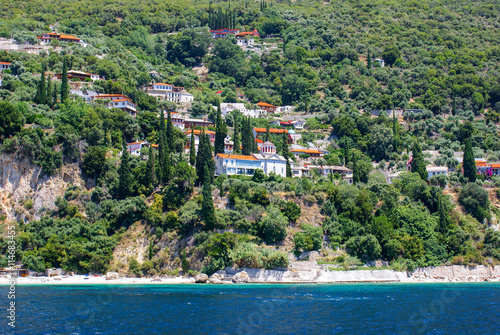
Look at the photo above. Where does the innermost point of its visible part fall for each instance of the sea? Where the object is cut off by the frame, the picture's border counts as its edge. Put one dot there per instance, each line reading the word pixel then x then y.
pixel 396 308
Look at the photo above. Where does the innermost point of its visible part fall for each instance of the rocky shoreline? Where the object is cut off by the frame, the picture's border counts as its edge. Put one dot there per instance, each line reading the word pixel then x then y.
pixel 298 272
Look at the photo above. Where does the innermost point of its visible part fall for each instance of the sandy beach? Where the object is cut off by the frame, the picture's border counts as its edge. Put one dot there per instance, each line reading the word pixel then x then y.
pixel 303 275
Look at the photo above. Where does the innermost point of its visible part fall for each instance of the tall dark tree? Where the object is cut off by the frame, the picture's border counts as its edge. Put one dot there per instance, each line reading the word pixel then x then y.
pixel 369 60
pixel 207 206
pixel 192 150
pixel 49 92
pixel 236 137
pixel 284 146
pixel 125 177
pixel 395 141
pixel 204 160
pixel 268 133
pixel 150 168
pixel 41 91
pixel 220 132
pixel 356 175
pixel 161 149
pixel 64 81
pixel 289 173
pixel 169 135
pixel 246 137
pixel 418 162
pixel 469 162
pixel 54 92
pixel 168 168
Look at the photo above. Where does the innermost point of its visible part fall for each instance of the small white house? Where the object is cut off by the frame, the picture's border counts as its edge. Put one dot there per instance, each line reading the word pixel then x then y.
pixel 135 147
pixel 379 61
pixel 4 66
pixel 125 105
pixel 298 124
pixel 435 170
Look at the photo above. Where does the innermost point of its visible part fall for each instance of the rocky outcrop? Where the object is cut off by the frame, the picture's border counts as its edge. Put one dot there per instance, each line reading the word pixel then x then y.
pixel 201 278
pixel 456 273
pixel 112 275
pixel 26 192
pixel 241 277
pixel 216 278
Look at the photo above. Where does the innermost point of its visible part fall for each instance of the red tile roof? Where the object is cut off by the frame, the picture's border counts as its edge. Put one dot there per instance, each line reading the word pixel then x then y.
pixel 240 157
pixel 198 131
pixel 271 130
pixel 68 37
pixel 265 104
pixel 307 151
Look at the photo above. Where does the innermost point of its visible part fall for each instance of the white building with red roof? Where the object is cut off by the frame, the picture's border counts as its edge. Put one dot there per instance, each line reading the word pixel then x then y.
pixel 4 66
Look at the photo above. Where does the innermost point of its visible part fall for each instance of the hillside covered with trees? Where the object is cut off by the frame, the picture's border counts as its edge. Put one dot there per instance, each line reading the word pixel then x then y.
pixel 441 65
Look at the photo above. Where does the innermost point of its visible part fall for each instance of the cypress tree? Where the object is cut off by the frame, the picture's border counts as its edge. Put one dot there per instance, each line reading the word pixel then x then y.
pixel 284 148
pixel 150 168
pixel 54 99
pixel 41 92
pixel 49 91
pixel 469 162
pixel 369 60
pixel 207 206
pixel 236 139
pixel 64 81
pixel 394 131
pixel 289 173
pixel 346 154
pixel 192 150
pixel 161 149
pixel 247 146
pixel 268 133
pixel 125 178
pixel 220 133
pixel 169 135
pixel 203 158
pixel 356 178
pixel 167 167
pixel 418 162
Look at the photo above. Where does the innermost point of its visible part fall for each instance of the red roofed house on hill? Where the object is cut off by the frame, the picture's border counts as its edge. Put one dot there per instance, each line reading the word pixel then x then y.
pixel 80 75
pixel 47 37
pixel 246 38
pixel 119 101
pixel 259 131
pixel 4 66
pixel 221 33
pixel 313 153
pixel 267 107
pixel 169 92
pixel 266 160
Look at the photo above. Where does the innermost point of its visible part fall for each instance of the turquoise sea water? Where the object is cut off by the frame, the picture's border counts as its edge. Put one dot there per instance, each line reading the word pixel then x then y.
pixel 257 309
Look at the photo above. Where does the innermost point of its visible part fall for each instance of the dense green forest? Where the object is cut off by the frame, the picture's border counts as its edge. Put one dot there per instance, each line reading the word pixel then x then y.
pixel 441 58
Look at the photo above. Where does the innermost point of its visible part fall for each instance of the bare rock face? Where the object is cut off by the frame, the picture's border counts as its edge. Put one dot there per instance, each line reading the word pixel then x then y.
pixel 241 277
pixel 216 278
pixel 26 192
pixel 112 275
pixel 201 278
